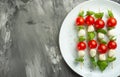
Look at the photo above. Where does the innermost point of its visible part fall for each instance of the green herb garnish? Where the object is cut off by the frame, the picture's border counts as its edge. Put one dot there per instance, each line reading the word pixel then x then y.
pixel 81 14
pixel 81 38
pixel 91 35
pixel 109 28
pixel 79 27
pixel 111 59
pixel 80 59
pixel 92 59
pixel 110 13
pixel 102 31
pixel 102 64
pixel 90 13
pixel 102 41
pixel 112 38
pixel 99 15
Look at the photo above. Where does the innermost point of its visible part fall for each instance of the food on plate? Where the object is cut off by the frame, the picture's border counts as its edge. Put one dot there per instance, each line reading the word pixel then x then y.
pixel 81 45
pixel 112 45
pixel 88 27
pixel 92 43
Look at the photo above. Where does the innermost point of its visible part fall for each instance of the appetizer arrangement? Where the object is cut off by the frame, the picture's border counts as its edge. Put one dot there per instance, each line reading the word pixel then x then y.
pixel 98 35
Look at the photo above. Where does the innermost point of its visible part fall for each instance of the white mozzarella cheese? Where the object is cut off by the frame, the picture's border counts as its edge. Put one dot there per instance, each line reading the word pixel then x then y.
pixel 111 32
pixel 93 52
pixel 81 32
pixel 90 28
pixel 101 35
pixel 102 57
pixel 81 53
pixel 111 53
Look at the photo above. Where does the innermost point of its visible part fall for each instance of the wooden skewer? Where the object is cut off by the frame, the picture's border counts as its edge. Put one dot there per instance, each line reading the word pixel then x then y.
pixel 81 64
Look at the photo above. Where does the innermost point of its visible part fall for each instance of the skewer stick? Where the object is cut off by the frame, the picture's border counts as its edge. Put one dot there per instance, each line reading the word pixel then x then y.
pixel 81 64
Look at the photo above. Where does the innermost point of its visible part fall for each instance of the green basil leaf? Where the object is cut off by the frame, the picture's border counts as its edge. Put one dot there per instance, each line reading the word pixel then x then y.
pixel 79 27
pixel 110 13
pixel 92 59
pixel 99 15
pixel 102 41
pixel 102 31
pixel 91 35
pixel 102 64
pixel 81 14
pixel 90 13
pixel 82 38
pixel 80 59
pixel 112 38
pixel 109 28
pixel 111 59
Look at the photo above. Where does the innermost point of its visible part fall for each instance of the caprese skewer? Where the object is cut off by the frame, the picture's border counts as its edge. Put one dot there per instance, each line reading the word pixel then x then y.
pixel 92 44
pixel 112 45
pixel 102 48
pixel 81 45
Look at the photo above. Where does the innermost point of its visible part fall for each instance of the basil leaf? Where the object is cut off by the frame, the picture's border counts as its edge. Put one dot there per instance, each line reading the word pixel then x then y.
pixel 82 38
pixel 91 35
pixel 111 59
pixel 99 15
pixel 102 31
pixel 102 64
pixel 90 13
pixel 102 41
pixel 80 59
pixel 79 27
pixel 112 38
pixel 81 14
pixel 110 13
pixel 109 28
pixel 92 59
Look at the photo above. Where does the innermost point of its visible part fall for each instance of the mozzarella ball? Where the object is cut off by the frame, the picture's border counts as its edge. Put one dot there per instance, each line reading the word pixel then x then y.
pixel 93 52
pixel 81 53
pixel 102 57
pixel 101 35
pixel 111 32
pixel 90 28
pixel 81 32
pixel 111 53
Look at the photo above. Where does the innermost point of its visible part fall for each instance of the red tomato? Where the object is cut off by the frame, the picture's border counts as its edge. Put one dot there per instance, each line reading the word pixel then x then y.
pixel 89 20
pixel 81 46
pixel 112 45
pixel 99 23
pixel 102 48
pixel 92 44
pixel 111 22
pixel 79 21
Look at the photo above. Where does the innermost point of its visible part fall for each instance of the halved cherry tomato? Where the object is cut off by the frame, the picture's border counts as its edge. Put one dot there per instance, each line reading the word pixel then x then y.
pixel 81 46
pixel 102 48
pixel 99 23
pixel 92 44
pixel 111 22
pixel 112 45
pixel 79 21
pixel 89 20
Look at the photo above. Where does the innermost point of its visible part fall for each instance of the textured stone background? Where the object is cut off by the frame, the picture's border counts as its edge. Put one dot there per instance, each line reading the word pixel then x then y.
pixel 29 31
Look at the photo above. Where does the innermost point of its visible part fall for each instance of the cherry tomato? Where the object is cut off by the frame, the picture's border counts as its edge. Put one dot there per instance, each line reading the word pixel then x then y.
pixel 89 20
pixel 102 48
pixel 99 23
pixel 79 21
pixel 81 46
pixel 111 22
pixel 112 45
pixel 92 44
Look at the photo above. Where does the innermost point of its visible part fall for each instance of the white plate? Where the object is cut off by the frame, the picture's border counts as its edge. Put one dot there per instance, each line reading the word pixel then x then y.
pixel 68 34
